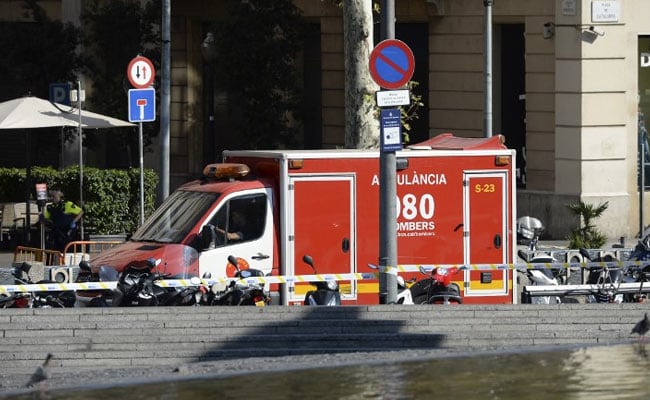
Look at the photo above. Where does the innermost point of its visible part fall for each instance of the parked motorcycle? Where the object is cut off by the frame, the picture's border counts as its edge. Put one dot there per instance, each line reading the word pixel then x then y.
pixel 606 279
pixel 239 292
pixel 41 299
pixel 640 274
pixel 326 293
pixel 136 284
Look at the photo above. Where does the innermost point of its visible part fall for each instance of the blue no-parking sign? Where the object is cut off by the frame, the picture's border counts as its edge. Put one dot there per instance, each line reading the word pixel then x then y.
pixel 391 64
pixel 142 105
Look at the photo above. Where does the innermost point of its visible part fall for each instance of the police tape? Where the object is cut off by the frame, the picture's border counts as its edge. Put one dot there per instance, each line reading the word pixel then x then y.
pixel 173 283
pixel 292 279
pixel 522 267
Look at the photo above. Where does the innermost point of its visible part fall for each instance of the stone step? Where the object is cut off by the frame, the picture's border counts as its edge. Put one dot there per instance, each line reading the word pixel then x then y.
pixel 125 337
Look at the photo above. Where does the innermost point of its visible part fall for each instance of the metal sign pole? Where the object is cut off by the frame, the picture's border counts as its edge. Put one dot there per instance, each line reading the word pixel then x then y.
pixel 81 163
pixel 141 174
pixel 642 141
pixel 387 192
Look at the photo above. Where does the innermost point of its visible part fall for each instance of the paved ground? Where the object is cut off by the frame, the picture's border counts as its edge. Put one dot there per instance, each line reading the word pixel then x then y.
pixel 6 258
pixel 12 379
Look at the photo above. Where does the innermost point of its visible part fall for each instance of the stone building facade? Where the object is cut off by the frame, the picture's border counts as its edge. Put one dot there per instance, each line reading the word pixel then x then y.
pixel 568 83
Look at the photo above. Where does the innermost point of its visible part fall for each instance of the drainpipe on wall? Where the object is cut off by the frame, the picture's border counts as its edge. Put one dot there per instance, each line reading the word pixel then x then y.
pixel 487 119
pixel 165 100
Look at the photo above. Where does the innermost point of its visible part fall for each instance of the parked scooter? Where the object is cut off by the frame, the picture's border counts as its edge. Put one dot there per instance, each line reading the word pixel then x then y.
pixel 42 299
pixel 326 293
pixel 438 288
pixel 542 277
pixel 404 294
pixel 239 292
pixel 529 230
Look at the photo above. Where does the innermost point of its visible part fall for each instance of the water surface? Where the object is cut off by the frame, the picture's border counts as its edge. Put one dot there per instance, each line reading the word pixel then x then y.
pixel 602 372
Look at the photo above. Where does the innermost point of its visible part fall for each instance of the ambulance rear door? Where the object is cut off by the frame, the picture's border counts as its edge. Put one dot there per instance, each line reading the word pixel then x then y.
pixel 486 227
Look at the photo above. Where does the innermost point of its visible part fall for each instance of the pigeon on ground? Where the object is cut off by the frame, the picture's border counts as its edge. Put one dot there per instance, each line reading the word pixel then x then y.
pixel 41 374
pixel 642 327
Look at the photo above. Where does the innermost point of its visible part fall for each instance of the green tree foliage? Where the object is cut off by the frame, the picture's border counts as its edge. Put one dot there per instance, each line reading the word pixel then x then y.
pixel 36 53
pixel 586 235
pixel 257 45
pixel 114 33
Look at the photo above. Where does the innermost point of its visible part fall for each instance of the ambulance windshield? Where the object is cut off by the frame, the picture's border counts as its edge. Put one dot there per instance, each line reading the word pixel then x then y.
pixel 175 217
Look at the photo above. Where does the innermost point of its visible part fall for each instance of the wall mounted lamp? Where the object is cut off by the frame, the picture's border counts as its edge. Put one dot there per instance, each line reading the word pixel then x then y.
pixel 549 30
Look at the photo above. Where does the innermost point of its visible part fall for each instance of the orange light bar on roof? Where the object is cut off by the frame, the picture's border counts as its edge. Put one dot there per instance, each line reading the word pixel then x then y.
pixel 225 170
pixel 500 161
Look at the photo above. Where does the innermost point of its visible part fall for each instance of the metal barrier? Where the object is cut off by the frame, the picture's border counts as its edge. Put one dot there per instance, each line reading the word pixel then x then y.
pixel 83 250
pixel 74 253
pixel 34 254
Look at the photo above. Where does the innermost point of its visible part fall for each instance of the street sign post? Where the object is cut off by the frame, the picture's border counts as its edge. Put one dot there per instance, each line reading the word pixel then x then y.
pixel 142 108
pixel 391 66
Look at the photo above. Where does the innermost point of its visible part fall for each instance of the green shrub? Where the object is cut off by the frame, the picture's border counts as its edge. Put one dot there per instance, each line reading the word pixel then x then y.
pixel 586 235
pixel 111 198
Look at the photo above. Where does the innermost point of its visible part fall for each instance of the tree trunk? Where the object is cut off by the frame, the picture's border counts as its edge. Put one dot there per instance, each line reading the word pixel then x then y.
pixel 361 124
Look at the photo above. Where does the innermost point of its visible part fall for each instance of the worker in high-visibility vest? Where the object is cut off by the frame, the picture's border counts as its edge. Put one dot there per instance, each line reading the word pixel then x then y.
pixel 63 217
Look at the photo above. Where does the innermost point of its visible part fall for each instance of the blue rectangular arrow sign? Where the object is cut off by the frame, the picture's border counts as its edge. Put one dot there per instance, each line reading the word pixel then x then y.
pixel 142 105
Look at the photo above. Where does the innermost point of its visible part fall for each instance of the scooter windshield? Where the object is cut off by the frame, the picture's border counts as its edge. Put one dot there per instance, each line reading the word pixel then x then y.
pixel 175 217
pixel 179 261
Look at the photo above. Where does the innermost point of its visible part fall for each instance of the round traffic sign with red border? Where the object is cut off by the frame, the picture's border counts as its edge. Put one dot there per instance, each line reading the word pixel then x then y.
pixel 391 64
pixel 141 72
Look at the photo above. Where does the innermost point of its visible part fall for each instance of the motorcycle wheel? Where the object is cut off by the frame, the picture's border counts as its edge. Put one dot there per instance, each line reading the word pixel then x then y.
pixel 421 299
pixel 450 294
pixel 233 298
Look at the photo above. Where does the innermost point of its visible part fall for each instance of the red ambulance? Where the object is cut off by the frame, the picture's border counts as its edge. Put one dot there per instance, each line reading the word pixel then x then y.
pixel 455 205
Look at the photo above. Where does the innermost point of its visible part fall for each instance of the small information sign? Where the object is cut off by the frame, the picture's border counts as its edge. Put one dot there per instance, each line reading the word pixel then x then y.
pixel 393 98
pixel 605 11
pixel 391 130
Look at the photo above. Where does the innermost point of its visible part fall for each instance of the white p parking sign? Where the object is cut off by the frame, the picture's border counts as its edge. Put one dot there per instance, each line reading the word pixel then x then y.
pixel 60 93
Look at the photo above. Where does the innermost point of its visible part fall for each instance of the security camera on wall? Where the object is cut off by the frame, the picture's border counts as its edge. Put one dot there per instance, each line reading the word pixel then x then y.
pixel 596 30
pixel 590 33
